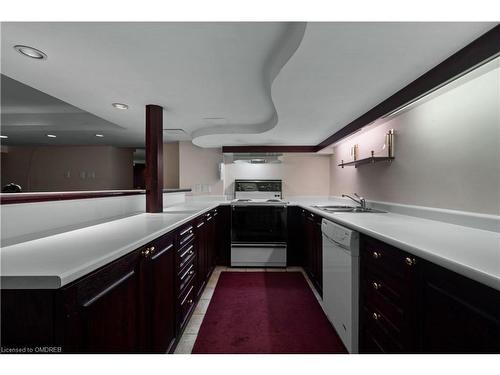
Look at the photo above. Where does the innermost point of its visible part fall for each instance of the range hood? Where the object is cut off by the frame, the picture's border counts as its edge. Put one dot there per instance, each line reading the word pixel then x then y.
pixel 253 158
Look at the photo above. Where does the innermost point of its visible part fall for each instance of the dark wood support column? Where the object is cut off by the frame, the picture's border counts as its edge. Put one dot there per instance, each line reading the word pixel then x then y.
pixel 154 158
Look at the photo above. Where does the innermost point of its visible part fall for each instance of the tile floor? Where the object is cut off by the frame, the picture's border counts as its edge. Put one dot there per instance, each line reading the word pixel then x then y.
pixel 188 338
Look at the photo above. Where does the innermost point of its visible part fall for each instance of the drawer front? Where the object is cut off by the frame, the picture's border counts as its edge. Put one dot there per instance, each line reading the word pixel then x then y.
pixel 185 255
pixel 380 256
pixel 186 303
pixel 375 336
pixel 186 275
pixel 390 313
pixel 384 285
pixel 186 234
pixel 380 329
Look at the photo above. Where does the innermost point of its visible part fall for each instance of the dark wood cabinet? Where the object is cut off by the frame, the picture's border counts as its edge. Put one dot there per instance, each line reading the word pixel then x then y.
pixel 211 219
pixel 223 235
pixel 295 237
pixel 139 303
pixel 410 305
pixel 186 272
pixel 103 311
pixel 200 225
pixel 313 248
pixel 457 315
pixel 160 296
pixel 388 284
pixel 126 306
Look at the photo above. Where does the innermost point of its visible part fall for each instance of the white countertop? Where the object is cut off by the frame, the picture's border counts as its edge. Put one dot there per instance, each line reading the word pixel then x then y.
pixel 57 260
pixel 471 252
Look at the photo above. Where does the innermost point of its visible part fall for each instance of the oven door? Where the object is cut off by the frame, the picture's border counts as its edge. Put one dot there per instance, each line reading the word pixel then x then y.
pixel 258 224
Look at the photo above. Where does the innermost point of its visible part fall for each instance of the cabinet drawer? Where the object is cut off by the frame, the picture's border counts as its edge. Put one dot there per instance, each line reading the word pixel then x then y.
pixel 390 313
pixel 186 234
pixel 185 255
pixel 381 331
pixel 380 256
pixel 186 303
pixel 186 275
pixel 384 285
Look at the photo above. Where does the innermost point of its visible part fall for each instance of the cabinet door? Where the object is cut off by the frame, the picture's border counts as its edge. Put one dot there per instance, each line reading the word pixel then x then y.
pixel 211 251
pixel 458 315
pixel 160 274
pixel 201 253
pixel 294 256
pixel 104 310
pixel 309 245
pixel 223 250
pixel 318 255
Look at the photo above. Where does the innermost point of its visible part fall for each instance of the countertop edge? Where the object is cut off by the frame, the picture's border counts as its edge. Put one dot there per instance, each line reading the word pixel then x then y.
pixel 59 281
pixel 460 268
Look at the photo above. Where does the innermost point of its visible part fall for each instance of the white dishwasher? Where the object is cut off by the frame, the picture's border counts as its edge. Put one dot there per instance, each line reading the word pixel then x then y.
pixel 341 281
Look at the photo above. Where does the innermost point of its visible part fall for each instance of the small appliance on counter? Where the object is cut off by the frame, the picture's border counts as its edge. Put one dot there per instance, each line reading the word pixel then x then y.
pixel 258 224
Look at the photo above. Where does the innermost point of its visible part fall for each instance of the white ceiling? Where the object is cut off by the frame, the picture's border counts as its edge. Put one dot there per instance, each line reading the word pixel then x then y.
pixel 226 83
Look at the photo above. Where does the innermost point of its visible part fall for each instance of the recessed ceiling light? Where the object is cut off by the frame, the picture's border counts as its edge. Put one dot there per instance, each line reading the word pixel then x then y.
pixel 120 106
pixel 99 135
pixel 30 52
pixel 4 136
pixel 51 136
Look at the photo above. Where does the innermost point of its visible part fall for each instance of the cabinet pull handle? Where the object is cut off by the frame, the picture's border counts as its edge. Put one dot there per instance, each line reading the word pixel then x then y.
pixel 190 230
pixel 189 250
pixel 376 316
pixel 187 295
pixel 145 252
pixel 376 255
pixel 376 285
pixel 152 250
pixel 187 272
pixel 410 261
pixel 201 224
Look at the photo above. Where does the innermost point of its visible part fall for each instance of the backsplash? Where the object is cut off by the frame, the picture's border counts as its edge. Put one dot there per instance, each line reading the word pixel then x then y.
pixel 445 149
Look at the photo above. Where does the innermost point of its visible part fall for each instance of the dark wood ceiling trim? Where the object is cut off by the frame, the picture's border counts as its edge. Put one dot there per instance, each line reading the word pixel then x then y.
pixel 481 49
pixel 269 149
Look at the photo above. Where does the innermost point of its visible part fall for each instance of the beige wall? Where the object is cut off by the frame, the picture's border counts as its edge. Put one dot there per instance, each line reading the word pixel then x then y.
pixel 45 168
pixel 302 174
pixel 447 152
pixel 198 169
pixel 171 165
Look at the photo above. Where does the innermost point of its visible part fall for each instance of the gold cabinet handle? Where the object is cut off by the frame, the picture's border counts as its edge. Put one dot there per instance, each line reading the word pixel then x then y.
pixel 190 301
pixel 376 255
pixel 376 316
pixel 410 261
pixel 152 250
pixel 376 285
pixel 145 252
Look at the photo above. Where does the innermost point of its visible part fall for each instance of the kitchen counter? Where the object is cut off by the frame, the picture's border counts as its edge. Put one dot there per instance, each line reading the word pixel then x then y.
pixel 57 260
pixel 471 252
pixel 54 261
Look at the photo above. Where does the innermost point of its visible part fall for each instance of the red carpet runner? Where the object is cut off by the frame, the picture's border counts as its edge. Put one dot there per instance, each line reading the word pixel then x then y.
pixel 265 312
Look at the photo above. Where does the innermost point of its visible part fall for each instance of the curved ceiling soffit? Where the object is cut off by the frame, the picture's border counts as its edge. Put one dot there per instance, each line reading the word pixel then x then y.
pixel 286 47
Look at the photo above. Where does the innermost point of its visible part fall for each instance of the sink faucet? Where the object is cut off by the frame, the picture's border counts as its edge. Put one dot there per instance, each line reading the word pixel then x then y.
pixel 361 201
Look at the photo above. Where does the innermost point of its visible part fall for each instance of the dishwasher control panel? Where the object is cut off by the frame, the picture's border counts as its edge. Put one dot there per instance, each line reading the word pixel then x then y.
pixel 339 234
